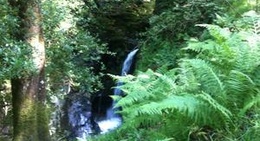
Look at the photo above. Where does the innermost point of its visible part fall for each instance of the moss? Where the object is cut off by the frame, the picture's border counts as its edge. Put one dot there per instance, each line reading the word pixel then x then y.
pixel 29 115
pixel 42 121
pixel 25 121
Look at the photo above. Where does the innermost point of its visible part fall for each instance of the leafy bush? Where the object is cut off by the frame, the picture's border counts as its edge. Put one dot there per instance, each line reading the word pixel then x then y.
pixel 170 27
pixel 72 54
pixel 14 55
pixel 72 58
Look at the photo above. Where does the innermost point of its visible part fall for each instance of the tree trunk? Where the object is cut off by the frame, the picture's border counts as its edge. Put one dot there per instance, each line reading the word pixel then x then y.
pixel 29 112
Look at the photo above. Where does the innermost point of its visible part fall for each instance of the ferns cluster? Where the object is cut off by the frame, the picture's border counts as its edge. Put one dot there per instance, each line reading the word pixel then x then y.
pixel 209 96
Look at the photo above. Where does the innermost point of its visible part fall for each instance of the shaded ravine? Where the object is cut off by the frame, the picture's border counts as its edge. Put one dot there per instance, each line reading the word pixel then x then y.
pixel 80 110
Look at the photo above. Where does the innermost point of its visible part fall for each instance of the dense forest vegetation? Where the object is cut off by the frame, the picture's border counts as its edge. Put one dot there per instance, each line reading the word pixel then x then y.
pixel 196 76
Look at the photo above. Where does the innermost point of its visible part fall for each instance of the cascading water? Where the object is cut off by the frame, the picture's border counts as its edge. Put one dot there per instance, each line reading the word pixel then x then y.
pixel 113 119
pixel 125 69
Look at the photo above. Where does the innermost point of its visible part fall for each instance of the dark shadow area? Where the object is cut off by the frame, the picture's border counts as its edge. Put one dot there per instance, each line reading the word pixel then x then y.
pixel 100 106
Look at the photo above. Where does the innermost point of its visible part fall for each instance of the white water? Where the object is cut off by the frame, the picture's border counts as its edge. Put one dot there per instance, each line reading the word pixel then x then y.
pixel 128 62
pixel 125 69
pixel 109 124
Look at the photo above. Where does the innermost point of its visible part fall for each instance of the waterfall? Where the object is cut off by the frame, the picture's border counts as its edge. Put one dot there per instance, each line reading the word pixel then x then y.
pixel 114 120
pixel 125 69
pixel 128 62
pixel 79 117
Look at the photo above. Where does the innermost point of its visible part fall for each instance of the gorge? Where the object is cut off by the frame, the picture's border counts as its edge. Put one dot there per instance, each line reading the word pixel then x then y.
pixel 86 117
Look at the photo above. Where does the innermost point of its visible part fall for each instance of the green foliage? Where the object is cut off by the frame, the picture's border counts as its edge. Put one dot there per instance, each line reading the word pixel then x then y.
pixel 72 57
pixel 205 88
pixel 116 23
pixel 132 134
pixel 15 62
pixel 14 55
pixel 172 24
pixel 8 22
pixel 154 99
pixel 115 18
pixel 72 54
pixel 214 92
pixel 237 7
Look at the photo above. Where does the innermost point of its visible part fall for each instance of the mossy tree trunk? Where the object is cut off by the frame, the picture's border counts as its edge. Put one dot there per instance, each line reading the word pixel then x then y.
pixel 29 112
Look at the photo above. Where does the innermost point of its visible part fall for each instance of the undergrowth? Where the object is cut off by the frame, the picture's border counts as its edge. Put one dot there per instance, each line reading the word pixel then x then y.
pixel 211 96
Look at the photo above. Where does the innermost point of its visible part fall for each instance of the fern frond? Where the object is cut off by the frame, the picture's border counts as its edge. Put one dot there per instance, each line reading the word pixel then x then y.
pixel 133 96
pixel 250 104
pixel 205 46
pixel 139 88
pixel 213 103
pixel 220 34
pixel 168 139
pixel 239 83
pixel 197 107
pixel 256 26
pixel 250 22
pixel 184 103
pixel 125 78
pixel 204 73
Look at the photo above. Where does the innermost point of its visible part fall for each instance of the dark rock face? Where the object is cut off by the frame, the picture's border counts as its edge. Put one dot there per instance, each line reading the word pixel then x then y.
pixel 78 118
pixel 100 105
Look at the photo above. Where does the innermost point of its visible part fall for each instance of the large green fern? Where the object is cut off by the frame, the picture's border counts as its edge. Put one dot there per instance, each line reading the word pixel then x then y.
pixel 214 91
